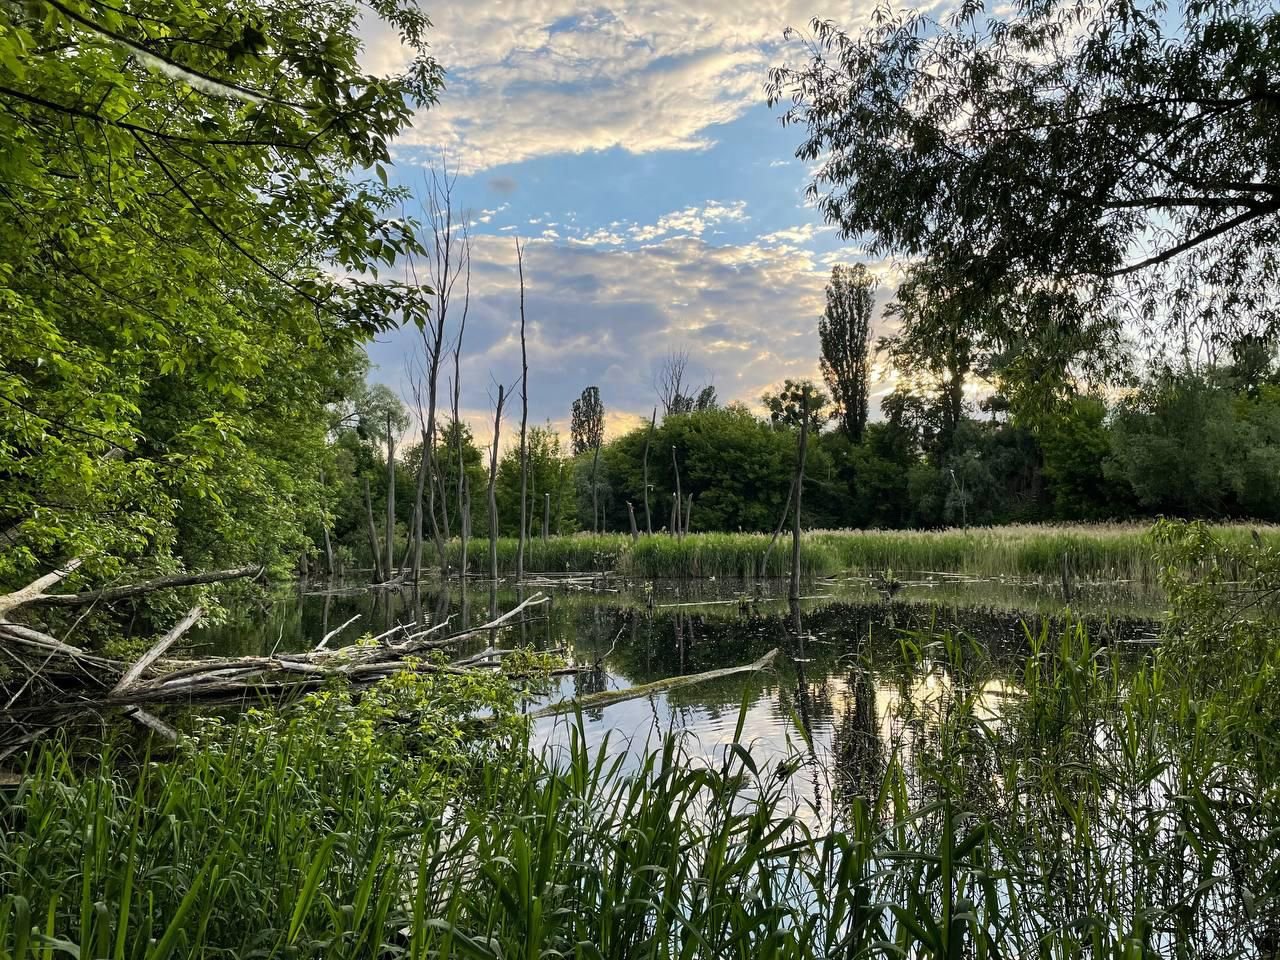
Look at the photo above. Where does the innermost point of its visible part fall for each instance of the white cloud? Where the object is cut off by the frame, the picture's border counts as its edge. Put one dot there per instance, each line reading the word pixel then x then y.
pixel 540 77
pixel 691 221
pixel 605 313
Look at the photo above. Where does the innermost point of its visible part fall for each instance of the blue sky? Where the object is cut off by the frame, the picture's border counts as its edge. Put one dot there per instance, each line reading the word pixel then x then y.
pixel 629 145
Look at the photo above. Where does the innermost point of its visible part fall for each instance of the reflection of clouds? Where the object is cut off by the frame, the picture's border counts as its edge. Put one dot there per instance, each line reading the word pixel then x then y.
pixel 543 77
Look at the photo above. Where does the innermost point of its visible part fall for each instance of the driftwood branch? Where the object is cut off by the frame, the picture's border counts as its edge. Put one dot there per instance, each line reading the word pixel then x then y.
pixel 36 589
pixel 157 651
pixel 124 592
pixel 607 697
pixel 324 641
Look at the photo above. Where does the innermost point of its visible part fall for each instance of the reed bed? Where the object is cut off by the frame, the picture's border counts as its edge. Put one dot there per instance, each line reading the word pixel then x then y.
pixel 1044 552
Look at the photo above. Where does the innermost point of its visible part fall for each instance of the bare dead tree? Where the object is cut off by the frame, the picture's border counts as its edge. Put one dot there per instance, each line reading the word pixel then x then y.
pixel 677 528
pixel 669 381
pixel 493 480
pixel 595 492
pixel 449 260
pixel 464 485
pixel 799 490
pixel 375 548
pixel 391 498
pixel 546 515
pixel 653 422
pixel 524 425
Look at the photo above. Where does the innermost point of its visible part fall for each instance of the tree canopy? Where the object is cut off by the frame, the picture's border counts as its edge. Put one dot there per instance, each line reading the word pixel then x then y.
pixel 180 224
pixel 1068 163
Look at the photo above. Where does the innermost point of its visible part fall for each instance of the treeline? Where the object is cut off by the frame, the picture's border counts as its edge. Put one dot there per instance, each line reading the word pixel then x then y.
pixel 1201 444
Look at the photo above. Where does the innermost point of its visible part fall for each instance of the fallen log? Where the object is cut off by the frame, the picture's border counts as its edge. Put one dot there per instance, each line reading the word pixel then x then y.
pixel 126 591
pixel 608 697
pixel 36 588
pixel 152 679
pixel 157 651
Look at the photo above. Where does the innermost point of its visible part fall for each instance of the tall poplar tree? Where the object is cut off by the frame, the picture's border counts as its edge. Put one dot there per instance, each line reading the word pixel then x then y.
pixel 845 333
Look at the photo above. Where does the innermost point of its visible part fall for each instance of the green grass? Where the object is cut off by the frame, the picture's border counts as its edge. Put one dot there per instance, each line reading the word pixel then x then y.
pixel 1093 552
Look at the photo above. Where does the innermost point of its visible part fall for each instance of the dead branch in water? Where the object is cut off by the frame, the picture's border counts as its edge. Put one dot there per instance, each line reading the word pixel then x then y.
pixel 608 697
pixel 150 679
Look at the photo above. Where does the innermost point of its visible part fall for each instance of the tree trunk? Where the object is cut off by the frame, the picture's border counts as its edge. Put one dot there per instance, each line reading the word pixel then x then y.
pixel 328 542
pixel 546 515
pixel 413 549
pixel 595 510
pixel 795 529
pixel 493 497
pixel 375 548
pixel 391 500
pixel 524 425
pixel 674 463
pixel 631 513
pixel 653 422
pixel 688 511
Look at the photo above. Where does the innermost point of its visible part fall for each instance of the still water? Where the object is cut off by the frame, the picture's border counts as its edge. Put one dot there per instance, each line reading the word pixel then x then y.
pixel 838 691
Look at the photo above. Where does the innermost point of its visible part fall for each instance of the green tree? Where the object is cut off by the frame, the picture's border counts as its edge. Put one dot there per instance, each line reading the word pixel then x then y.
pixel 1062 160
pixel 786 406
pixel 180 228
pixel 845 334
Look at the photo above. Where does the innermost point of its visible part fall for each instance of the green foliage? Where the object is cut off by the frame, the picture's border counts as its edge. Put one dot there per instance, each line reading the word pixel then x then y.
pixel 845 334
pixel 180 226
pixel 987 146
pixel 787 406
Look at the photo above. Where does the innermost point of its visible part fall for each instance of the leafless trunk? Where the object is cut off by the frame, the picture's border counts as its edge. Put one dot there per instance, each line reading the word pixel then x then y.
pixel 450 254
pixel 413 544
pixel 328 542
pixel 546 515
pixel 375 548
pixel 438 479
pixel 464 486
pixel 631 513
pixel 675 515
pixel 653 422
pixel 595 510
pixel 524 425
pixel 799 491
pixel 493 479
pixel 391 499
pixel 688 511
pixel 678 531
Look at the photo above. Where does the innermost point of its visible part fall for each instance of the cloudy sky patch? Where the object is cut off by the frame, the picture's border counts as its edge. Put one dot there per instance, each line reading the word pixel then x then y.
pixel 660 202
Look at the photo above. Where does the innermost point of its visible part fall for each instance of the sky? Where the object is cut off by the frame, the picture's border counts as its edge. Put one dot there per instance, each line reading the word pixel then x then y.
pixel 629 145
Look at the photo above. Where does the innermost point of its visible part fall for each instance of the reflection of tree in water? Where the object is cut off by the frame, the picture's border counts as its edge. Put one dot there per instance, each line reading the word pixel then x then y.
pixel 856 744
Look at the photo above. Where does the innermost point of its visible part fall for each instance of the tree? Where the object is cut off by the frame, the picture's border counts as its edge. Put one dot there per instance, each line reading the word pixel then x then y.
pixel 669 382
pixel 787 405
pixel 586 427
pixel 179 226
pixel 933 351
pixel 844 332
pixel 675 395
pixel 1066 160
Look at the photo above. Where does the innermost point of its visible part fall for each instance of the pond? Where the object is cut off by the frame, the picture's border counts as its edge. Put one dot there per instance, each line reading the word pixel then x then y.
pixel 838 689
